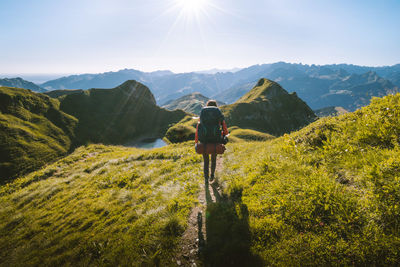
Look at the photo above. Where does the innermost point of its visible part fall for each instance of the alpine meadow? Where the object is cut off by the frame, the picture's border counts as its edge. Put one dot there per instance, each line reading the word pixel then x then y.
pixel 193 133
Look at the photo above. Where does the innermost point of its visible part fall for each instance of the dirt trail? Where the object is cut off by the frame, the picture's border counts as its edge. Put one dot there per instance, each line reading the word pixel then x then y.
pixel 193 241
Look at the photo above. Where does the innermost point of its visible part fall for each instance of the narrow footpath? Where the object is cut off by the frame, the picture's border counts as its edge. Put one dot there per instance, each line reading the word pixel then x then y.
pixel 193 241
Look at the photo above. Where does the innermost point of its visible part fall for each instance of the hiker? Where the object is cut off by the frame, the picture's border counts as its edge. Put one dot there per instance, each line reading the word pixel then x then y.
pixel 208 132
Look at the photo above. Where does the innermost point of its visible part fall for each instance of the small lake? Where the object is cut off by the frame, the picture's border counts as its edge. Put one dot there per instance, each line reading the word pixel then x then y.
pixel 147 143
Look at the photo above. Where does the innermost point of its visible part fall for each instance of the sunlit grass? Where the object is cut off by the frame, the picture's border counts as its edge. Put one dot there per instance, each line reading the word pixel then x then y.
pixel 100 205
pixel 327 194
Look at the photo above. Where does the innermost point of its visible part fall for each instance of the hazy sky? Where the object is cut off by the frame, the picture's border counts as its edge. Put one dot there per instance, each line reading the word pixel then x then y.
pixel 75 36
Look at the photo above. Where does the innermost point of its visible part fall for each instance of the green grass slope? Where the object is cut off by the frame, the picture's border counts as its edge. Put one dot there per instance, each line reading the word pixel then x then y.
pixel 99 206
pixel 325 195
pixel 114 116
pixel 184 130
pixel 33 131
pixel 269 108
pixel 237 134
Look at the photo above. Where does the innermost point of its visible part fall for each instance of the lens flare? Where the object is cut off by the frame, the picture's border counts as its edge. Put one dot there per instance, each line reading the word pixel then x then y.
pixel 192 6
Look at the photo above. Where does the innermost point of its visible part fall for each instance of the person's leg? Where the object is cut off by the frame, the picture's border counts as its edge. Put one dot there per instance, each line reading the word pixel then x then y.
pixel 206 165
pixel 213 165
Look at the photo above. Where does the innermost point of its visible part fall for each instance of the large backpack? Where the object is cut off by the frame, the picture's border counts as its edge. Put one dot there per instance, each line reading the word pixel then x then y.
pixel 209 130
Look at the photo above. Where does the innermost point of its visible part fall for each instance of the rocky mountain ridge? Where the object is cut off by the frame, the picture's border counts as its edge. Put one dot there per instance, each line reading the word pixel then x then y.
pixel 311 82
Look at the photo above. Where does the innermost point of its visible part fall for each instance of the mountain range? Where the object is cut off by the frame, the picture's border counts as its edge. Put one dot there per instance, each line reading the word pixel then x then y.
pixel 322 86
pixel 319 86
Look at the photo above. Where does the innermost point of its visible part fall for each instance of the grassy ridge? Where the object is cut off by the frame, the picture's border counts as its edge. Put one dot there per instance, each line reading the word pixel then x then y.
pixel 326 195
pixel 100 205
pixel 237 134
pixel 33 131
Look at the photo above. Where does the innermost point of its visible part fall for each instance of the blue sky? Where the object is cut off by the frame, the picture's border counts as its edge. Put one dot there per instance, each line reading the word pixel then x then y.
pixel 81 36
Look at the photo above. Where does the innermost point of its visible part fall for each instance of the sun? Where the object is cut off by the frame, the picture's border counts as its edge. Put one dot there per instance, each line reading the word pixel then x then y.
pixel 192 6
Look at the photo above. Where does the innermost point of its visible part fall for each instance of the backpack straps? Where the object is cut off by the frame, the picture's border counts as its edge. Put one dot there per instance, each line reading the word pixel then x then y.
pixel 196 137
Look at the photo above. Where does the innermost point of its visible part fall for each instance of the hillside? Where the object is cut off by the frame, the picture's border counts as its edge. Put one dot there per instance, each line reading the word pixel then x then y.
pixel 21 83
pixel 33 131
pixel 101 205
pixel 269 108
pixel 330 111
pixel 325 195
pixel 192 103
pixel 117 115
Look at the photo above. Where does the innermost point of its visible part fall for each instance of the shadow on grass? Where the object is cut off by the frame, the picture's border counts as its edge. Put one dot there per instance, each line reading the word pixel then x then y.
pixel 228 234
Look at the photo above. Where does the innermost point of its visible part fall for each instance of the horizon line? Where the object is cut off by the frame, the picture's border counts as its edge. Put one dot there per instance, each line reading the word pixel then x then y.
pixel 222 69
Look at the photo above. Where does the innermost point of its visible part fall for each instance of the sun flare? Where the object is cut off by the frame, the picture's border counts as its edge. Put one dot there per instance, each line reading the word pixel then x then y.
pixel 192 6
